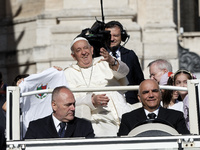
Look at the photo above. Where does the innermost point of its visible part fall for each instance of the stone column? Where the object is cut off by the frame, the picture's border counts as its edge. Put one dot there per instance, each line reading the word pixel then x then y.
pixel 159 36
pixel 37 34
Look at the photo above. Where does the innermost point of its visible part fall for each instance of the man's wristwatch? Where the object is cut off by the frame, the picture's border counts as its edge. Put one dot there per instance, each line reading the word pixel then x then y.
pixel 115 62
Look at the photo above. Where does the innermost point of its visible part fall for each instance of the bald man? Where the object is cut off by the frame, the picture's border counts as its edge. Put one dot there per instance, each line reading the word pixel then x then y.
pixel 149 95
pixel 61 123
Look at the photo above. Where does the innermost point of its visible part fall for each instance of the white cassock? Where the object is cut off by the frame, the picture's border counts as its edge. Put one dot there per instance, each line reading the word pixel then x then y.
pixel 105 120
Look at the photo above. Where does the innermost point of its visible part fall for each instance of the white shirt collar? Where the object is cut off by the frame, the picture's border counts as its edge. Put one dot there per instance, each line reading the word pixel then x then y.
pixel 155 112
pixel 117 53
pixel 57 122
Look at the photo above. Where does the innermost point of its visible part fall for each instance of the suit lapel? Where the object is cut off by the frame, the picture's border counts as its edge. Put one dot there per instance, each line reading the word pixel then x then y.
pixel 162 113
pixel 141 115
pixel 50 127
pixel 139 118
pixel 123 52
pixel 166 116
pixel 70 129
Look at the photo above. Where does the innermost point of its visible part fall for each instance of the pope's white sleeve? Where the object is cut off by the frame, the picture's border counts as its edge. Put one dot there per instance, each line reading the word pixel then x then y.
pixel 85 100
pixel 122 71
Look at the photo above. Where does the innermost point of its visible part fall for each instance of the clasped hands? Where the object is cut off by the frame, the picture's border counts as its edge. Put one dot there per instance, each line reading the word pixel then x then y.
pixel 100 100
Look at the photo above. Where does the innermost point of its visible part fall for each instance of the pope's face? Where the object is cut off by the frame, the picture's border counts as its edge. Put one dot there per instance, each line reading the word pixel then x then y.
pixel 82 53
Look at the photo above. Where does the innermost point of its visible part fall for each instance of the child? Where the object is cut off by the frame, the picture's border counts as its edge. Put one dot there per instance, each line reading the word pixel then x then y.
pixel 170 98
pixel 180 79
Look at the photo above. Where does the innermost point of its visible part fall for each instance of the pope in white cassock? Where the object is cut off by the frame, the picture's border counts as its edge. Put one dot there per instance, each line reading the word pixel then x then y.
pixel 106 107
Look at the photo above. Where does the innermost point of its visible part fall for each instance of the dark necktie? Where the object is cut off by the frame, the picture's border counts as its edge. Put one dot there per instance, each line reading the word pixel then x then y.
pixel 61 131
pixel 114 54
pixel 152 116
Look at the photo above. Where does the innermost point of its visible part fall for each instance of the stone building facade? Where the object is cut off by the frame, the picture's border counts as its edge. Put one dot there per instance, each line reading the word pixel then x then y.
pixel 36 34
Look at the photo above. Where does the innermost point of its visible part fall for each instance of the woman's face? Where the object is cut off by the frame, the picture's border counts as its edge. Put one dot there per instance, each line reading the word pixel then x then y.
pixel 175 95
pixel 181 80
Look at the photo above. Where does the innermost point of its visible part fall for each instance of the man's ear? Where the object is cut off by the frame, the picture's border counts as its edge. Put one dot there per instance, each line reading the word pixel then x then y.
pixel 92 49
pixel 73 56
pixel 1 85
pixel 139 97
pixel 165 70
pixel 53 104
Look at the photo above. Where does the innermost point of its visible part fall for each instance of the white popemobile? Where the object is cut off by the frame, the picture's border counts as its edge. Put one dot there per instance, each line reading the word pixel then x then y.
pixel 132 141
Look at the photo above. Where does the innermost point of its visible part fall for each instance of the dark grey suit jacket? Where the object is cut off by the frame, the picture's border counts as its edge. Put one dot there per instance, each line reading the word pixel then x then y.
pixel 135 75
pixel 45 128
pixel 132 119
pixel 2 138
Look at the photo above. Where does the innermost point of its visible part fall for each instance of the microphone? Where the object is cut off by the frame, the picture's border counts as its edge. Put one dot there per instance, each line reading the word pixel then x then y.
pixel 128 37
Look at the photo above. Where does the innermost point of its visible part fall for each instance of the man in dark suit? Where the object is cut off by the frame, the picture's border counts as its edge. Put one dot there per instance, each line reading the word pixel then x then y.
pixel 2 138
pixel 135 75
pixel 2 101
pixel 150 95
pixel 62 123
